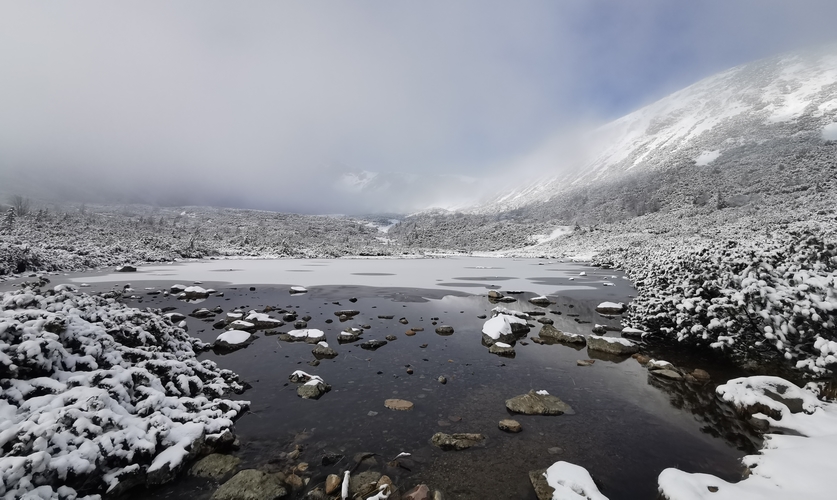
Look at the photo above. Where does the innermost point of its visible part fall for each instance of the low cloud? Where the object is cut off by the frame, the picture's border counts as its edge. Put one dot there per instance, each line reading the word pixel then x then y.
pixel 271 105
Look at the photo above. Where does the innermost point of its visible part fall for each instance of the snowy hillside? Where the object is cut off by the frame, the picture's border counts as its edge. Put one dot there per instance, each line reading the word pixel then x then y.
pixel 792 95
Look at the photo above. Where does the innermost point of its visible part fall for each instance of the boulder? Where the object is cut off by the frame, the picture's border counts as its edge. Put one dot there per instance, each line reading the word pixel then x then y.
pixel 323 351
pixel 503 328
pixel 538 403
pixel 364 483
pixel 611 345
pixel 232 340
pixel 550 332
pixel 313 389
pixel 458 441
pixel 701 375
pixel 502 349
pixel 251 484
pixel 610 308
pixel 541 301
pixel 666 373
pixel 215 466
pixel 126 269
pixel 542 489
pixel 371 345
pixel 332 483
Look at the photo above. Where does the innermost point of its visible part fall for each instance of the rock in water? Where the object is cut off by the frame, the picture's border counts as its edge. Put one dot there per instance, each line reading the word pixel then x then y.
pixel 251 484
pixel 332 483
pixel 458 441
pixel 550 332
pixel 611 345
pixel 215 466
pixel 666 373
pixel 540 301
pixel 371 345
pixel 611 308
pixel 324 352
pixel 502 349
pixel 538 403
pixel 510 425
pixel 398 404
pixel 444 330
pixel 420 492
pixel 313 389
pixel 542 489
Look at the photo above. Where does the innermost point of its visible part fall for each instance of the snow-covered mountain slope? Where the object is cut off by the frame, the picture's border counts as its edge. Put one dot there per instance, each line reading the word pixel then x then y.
pixel 792 95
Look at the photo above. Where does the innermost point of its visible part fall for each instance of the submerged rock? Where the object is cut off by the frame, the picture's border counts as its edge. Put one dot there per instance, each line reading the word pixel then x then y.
pixel 444 330
pixel 458 441
pixel 538 403
pixel 398 404
pixel 251 484
pixel 214 466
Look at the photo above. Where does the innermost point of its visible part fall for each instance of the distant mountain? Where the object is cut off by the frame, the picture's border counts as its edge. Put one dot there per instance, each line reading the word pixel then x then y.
pixel 753 111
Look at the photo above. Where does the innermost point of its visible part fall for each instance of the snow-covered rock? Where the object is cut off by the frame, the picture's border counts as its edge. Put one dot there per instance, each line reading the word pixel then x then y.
pixel 503 328
pixel 611 345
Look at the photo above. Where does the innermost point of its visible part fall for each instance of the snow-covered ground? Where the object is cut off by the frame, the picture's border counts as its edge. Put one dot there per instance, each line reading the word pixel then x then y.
pixel 796 460
pixel 100 396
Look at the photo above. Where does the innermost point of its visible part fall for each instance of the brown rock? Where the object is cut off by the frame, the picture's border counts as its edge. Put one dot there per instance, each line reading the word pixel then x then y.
pixel 333 482
pixel 542 489
pixel 641 359
pixel 585 362
pixel 398 404
pixel 410 333
pixel 510 425
pixel 701 375
pixel 458 441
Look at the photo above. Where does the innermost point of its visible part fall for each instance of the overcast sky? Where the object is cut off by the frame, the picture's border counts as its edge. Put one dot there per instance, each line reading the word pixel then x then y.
pixel 268 104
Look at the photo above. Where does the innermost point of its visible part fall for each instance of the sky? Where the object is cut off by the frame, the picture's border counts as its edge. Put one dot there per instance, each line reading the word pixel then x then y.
pixel 345 107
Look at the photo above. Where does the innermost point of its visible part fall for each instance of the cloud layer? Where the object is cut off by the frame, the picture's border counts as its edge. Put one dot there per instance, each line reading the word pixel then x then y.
pixel 272 104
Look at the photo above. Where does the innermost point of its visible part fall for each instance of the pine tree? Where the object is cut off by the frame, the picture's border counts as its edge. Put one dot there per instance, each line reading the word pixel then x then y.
pixel 9 220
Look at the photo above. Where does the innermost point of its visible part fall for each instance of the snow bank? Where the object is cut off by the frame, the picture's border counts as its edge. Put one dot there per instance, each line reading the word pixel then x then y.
pixel 94 392
pixel 796 464
pixel 571 482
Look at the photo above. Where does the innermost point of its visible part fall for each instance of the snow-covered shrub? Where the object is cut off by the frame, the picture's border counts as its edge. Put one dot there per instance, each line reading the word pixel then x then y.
pixel 95 394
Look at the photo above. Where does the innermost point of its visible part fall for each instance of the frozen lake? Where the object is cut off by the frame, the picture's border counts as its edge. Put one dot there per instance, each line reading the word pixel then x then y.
pixel 463 274
pixel 627 427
